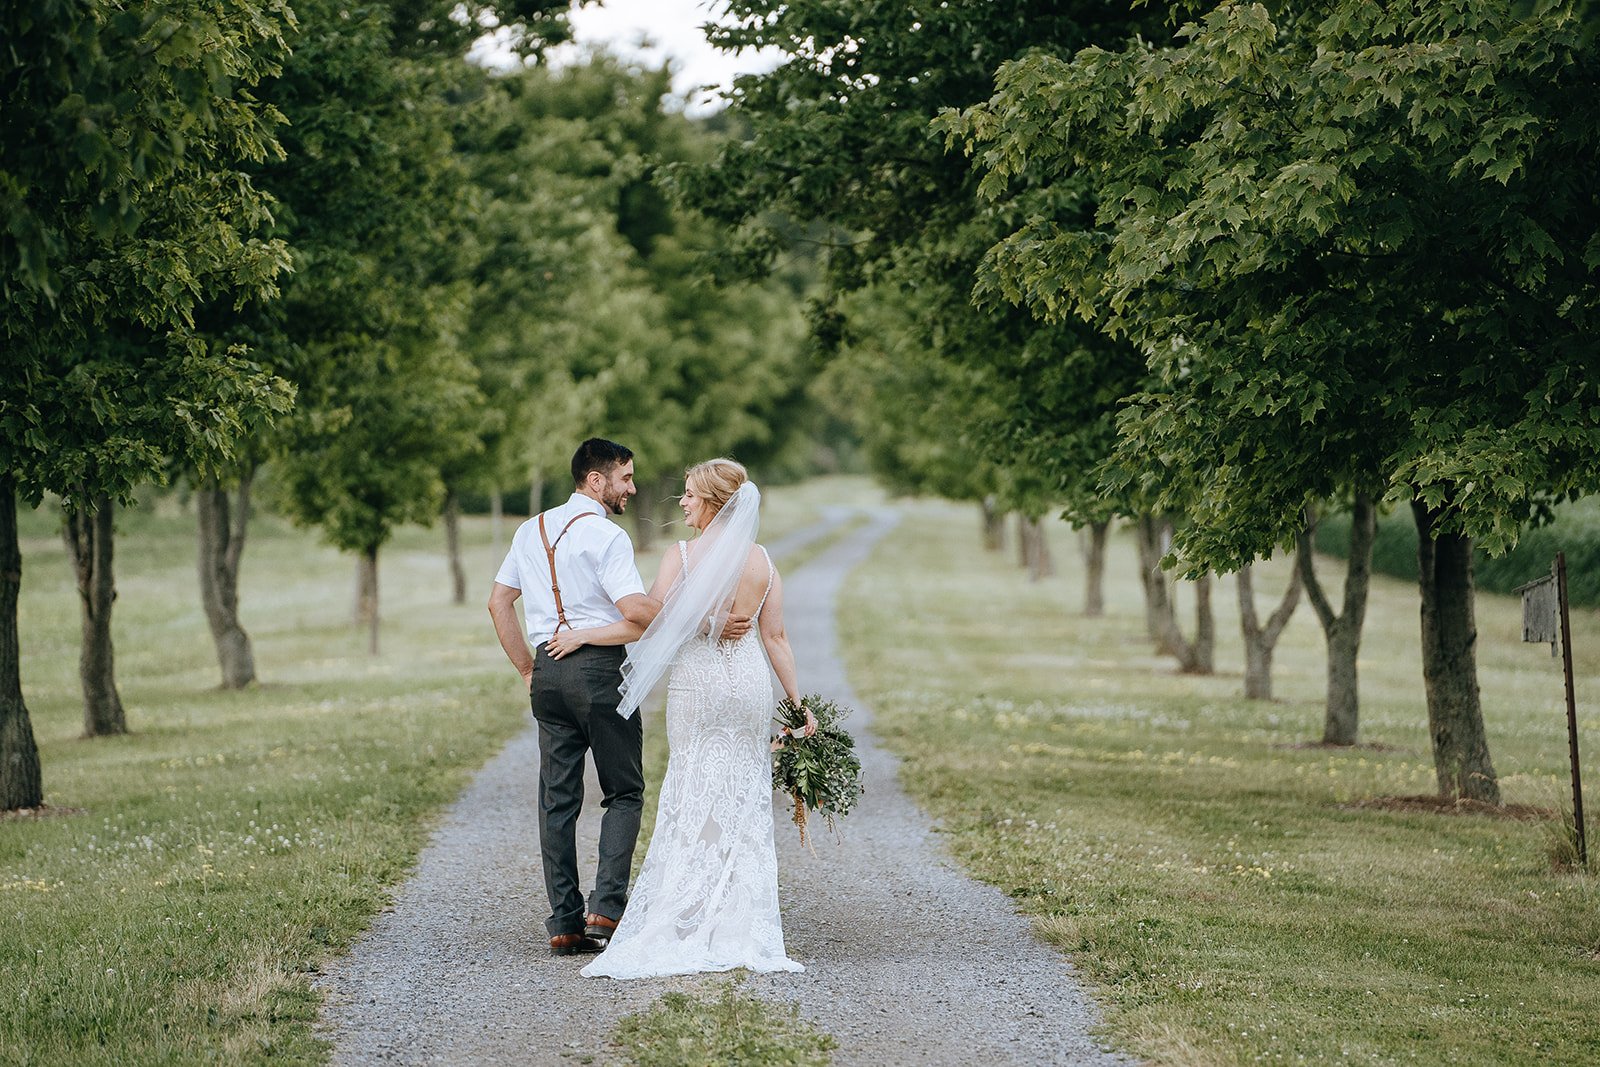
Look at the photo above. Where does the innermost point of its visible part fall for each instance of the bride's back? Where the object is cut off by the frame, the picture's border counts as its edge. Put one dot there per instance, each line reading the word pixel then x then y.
pixel 752 582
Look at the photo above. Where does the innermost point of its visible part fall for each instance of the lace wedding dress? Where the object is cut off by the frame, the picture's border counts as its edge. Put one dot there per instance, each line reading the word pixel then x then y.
pixel 707 896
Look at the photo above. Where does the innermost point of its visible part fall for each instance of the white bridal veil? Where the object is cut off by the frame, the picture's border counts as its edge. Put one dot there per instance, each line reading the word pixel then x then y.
pixel 701 594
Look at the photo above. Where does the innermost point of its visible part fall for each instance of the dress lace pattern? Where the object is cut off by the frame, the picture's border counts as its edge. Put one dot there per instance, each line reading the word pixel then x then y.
pixel 707 896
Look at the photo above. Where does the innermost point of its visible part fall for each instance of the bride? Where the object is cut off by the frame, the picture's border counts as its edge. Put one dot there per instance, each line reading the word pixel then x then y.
pixel 707 896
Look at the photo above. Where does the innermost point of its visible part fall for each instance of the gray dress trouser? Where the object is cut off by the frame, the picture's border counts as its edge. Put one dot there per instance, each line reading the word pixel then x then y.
pixel 575 702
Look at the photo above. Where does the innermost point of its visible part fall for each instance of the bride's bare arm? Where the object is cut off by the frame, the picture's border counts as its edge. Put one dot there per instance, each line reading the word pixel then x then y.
pixel 616 633
pixel 666 573
pixel 776 640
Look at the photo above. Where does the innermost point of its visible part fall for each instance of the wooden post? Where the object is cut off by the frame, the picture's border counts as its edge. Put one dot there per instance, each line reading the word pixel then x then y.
pixel 1572 709
pixel 1545 617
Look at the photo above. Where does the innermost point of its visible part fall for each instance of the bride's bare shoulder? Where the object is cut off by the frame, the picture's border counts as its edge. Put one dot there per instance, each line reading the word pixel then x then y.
pixel 755 564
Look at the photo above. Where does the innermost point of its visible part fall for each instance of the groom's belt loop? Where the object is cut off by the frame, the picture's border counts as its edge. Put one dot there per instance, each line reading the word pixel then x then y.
pixel 550 551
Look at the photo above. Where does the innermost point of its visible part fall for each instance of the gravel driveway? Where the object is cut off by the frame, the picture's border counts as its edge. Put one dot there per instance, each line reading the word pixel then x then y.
pixel 908 960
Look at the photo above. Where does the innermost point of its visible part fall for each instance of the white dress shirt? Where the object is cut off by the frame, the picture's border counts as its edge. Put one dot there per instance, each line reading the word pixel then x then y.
pixel 594 565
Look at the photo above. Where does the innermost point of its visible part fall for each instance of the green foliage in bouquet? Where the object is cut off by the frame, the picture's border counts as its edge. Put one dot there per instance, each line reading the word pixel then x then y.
pixel 820 773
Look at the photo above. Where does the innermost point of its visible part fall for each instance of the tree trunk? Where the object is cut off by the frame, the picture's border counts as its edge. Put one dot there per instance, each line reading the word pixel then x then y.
pixel 1257 667
pixel 88 534
pixel 643 510
pixel 1158 618
pixel 1160 609
pixel 994 524
pixel 646 508
pixel 1341 722
pixel 1202 658
pixel 222 528
pixel 1094 569
pixel 367 595
pixel 666 504
pixel 1024 548
pixel 452 544
pixel 1035 548
pixel 1342 717
pixel 497 521
pixel 1260 641
pixel 536 495
pixel 1450 661
pixel 21 785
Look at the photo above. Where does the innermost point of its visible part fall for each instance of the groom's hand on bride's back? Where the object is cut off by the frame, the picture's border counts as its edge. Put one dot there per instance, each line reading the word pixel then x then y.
pixel 736 626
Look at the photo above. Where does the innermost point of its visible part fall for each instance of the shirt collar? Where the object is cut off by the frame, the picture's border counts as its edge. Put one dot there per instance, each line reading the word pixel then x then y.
pixel 586 503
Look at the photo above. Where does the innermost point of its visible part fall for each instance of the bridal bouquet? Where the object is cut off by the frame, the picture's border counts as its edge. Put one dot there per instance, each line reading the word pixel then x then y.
pixel 820 773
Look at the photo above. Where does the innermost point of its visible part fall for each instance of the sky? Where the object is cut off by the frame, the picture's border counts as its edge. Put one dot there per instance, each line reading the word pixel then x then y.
pixel 651 30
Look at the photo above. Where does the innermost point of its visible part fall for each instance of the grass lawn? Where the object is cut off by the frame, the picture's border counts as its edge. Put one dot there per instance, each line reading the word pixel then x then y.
pixel 199 869
pixel 1219 886
pixel 722 1026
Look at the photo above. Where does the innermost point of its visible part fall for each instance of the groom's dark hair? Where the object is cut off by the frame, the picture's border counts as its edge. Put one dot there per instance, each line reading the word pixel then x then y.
pixel 597 454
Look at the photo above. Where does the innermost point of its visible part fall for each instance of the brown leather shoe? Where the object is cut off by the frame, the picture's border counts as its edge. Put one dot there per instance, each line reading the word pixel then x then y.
pixel 600 928
pixel 573 944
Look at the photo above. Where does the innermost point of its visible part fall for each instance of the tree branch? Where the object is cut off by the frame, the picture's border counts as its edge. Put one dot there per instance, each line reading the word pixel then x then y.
pixel 1291 600
pixel 1304 552
pixel 1363 531
pixel 1247 600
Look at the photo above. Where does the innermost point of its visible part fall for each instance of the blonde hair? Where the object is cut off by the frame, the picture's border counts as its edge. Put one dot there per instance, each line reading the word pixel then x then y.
pixel 715 480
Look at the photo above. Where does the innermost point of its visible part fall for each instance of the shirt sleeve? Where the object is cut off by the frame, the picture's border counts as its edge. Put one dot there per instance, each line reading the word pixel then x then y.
pixel 510 572
pixel 618 574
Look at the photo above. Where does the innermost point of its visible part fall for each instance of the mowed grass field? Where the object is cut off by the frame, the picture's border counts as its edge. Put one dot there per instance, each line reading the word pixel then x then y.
pixel 194 874
pixel 1218 884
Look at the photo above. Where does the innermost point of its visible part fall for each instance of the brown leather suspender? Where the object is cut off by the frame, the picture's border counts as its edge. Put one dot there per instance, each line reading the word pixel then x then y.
pixel 550 551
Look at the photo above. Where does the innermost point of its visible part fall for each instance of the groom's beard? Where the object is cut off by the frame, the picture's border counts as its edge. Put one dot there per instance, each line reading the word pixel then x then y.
pixel 616 502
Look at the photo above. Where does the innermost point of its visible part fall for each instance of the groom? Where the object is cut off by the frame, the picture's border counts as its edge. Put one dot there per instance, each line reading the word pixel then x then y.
pixel 576 569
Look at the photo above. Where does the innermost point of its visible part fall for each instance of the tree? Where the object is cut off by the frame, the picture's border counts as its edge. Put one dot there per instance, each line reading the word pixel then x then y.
pixel 366 97
pixel 1261 639
pixel 1357 243
pixel 553 297
pixel 1342 629
pixel 839 133
pixel 1153 535
pixel 124 131
pixel 21 782
pixel 399 408
pixel 378 205
pixel 618 325
pixel 223 518
pixel 729 381
pixel 884 354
